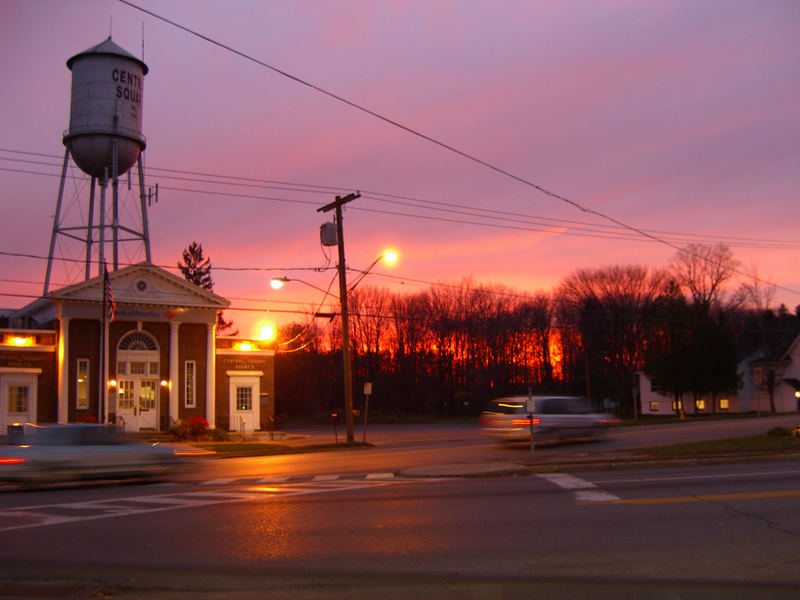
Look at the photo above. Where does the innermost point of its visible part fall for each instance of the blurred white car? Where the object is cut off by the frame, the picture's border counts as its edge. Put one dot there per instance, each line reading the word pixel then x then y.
pixel 77 451
pixel 554 418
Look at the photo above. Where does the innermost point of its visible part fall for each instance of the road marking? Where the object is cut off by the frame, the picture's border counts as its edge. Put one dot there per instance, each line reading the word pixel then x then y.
pixel 594 497
pixel 568 482
pixel 587 492
pixel 26 517
pixel 297 479
pixel 709 498
pixel 701 477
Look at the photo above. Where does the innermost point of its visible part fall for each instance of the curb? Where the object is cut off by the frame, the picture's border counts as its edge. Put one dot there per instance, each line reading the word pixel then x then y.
pixel 477 470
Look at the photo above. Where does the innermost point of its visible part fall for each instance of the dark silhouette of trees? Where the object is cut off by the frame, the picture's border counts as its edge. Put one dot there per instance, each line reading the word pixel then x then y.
pixel 612 306
pixel 668 355
pixel 448 349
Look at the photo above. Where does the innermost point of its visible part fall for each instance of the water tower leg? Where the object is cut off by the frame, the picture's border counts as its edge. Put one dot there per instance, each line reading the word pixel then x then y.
pixel 56 219
pixel 115 201
pixel 90 230
pixel 145 228
pixel 101 254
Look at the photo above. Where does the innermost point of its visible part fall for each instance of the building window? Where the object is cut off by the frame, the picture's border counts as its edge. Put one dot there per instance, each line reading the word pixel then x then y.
pixel 677 405
pixel 190 370
pixel 724 404
pixel 82 389
pixel 138 367
pixel 654 407
pixel 154 368
pixel 122 368
pixel 125 394
pixel 18 398
pixel 244 398
pixel 699 405
pixel 138 340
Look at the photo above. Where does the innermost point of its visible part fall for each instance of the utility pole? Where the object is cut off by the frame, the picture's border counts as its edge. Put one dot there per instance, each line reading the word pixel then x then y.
pixel 346 358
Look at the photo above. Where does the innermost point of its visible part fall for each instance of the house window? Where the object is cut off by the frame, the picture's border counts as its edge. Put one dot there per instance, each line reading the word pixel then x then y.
pixel 677 405
pixel 699 405
pixel 18 398
pixel 82 385
pixel 244 398
pixel 190 369
pixel 654 407
pixel 724 404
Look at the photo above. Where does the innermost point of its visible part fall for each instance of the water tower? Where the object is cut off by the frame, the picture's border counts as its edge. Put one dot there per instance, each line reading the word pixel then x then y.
pixel 105 140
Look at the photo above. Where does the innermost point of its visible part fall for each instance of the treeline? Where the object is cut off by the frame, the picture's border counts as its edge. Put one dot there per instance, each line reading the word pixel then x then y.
pixel 447 350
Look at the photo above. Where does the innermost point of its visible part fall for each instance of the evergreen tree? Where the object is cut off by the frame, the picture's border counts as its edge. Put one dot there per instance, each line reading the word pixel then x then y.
pixel 196 269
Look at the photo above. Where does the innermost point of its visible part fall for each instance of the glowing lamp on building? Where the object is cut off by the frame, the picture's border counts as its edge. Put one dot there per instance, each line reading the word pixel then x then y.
pixel 266 332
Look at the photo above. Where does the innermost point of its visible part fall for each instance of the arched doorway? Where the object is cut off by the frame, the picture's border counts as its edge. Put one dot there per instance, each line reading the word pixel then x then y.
pixel 137 381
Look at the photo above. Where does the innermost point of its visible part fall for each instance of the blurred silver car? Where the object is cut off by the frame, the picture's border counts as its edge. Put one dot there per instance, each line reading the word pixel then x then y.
pixel 77 451
pixel 554 418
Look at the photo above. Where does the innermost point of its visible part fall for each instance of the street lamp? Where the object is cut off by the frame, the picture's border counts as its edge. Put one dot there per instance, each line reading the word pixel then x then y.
pixel 390 256
pixel 278 282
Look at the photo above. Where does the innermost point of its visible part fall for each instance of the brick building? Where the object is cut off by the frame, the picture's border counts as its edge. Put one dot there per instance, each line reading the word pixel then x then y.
pixel 157 362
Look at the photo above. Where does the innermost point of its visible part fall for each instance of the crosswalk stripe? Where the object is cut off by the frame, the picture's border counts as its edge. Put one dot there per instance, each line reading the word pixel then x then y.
pixel 38 516
pixel 585 491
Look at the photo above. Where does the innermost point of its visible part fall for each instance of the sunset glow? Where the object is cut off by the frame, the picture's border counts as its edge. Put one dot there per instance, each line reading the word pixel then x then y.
pixel 508 144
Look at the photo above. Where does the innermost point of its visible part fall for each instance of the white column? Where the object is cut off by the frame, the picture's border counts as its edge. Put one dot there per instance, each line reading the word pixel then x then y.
pixel 63 369
pixel 174 371
pixel 211 376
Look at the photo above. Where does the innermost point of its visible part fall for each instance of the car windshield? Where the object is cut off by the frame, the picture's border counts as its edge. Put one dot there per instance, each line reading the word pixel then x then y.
pixel 563 406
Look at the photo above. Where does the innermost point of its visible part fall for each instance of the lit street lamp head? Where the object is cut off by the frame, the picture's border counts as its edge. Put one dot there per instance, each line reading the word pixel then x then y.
pixel 277 282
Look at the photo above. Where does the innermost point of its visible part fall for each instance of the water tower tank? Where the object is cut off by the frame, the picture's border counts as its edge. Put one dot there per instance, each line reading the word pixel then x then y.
pixel 106 108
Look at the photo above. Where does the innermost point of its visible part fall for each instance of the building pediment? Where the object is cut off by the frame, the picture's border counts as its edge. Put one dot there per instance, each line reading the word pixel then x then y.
pixel 143 284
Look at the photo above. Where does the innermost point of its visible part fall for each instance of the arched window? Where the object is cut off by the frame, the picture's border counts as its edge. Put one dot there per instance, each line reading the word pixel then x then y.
pixel 138 340
pixel 137 355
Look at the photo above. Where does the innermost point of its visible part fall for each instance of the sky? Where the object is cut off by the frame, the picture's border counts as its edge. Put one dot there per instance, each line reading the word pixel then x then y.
pixel 678 120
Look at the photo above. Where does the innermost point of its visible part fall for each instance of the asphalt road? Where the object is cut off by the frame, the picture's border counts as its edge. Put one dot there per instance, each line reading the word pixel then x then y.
pixel 724 531
pixel 342 524
pixel 399 447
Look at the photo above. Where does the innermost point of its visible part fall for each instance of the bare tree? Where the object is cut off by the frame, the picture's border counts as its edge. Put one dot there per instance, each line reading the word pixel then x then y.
pixel 612 305
pixel 702 270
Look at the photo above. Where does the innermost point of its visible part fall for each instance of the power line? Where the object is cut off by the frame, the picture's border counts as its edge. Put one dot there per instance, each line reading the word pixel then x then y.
pixel 507 220
pixel 412 131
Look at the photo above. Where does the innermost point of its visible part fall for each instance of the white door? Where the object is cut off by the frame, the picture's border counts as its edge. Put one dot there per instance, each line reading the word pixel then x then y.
pixel 17 400
pixel 148 407
pixel 244 390
pixel 137 403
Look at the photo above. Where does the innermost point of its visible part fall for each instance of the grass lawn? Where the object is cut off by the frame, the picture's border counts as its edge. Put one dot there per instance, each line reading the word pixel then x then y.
pixel 767 442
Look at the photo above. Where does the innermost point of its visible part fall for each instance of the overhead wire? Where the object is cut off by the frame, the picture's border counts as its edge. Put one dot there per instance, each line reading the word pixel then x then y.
pixel 468 156
pixel 505 219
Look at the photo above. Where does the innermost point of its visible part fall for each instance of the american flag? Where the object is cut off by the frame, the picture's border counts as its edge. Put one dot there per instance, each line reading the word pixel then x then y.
pixel 108 296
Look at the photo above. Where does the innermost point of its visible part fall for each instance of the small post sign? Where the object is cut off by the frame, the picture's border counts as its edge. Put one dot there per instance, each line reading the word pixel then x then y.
pixel 530 408
pixel 367 394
